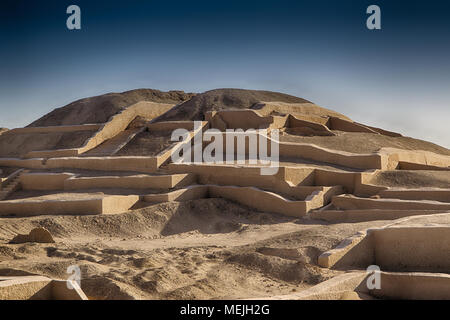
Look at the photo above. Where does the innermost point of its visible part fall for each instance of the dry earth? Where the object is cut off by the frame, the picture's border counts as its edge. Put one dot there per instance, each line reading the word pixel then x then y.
pixel 200 249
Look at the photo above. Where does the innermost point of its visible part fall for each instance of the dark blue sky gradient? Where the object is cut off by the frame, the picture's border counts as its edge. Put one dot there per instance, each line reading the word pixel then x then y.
pixel 397 78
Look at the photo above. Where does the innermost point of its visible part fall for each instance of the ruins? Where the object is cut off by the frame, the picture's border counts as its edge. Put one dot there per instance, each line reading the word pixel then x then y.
pixel 332 172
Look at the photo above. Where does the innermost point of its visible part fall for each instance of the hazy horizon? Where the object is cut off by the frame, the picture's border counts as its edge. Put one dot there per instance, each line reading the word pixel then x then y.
pixel 396 78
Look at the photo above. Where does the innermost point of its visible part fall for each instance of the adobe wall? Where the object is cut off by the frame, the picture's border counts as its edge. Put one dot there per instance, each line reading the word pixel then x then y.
pixel 261 200
pixel 399 157
pixel 319 154
pixel 251 176
pixel 105 205
pixel 394 285
pixel 335 288
pixel 334 178
pixel 53 153
pixel 239 119
pixel 345 202
pixel 319 198
pixel 289 180
pixel 132 182
pixel 355 251
pixel 347 216
pixel 25 288
pixel 324 155
pixel 38 288
pixel 60 290
pixel 317 128
pixel 22 163
pixel 293 120
pixel 411 248
pixel 44 181
pixel 118 204
pixel 189 193
pixel 170 125
pixel 125 163
pixel 393 248
pixel 279 122
pixel 68 181
pixel 345 159
pixel 140 164
pixel 48 207
pixel 413 286
pixel 72 128
pixel 252 197
pixel 434 194
pixel 299 176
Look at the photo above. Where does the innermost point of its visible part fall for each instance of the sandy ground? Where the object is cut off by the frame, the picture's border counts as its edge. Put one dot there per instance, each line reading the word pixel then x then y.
pixel 201 249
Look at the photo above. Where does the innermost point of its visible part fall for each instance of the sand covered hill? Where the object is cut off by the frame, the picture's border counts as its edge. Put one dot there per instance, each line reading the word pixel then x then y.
pixel 99 109
pixel 191 106
pixel 223 99
pixel 141 226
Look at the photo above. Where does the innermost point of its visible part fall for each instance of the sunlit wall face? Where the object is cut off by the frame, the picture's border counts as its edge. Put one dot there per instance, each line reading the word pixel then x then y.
pixel 397 78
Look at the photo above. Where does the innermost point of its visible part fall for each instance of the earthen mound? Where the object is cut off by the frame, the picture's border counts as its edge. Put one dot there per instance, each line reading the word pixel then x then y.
pixel 224 99
pixel 99 109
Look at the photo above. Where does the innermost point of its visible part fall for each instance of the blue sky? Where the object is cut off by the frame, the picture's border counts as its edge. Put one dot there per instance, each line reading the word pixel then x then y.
pixel 397 78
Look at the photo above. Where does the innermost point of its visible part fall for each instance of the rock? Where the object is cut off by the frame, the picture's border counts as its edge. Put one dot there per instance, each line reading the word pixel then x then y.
pixel 40 235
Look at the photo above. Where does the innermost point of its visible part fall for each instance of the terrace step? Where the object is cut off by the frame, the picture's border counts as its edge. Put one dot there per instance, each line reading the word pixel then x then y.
pixel 346 216
pixel 249 196
pixel 131 182
pixel 434 194
pixel 69 181
pixel 346 202
pixel 80 205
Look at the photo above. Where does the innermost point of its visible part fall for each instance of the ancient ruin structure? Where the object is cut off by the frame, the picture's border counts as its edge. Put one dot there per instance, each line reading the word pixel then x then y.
pixel 59 168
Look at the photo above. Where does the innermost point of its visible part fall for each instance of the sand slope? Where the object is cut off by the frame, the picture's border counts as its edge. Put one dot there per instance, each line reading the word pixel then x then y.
pixel 100 108
pixel 222 99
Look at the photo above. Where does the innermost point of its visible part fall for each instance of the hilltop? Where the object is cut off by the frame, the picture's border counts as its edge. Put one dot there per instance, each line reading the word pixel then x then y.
pixel 100 108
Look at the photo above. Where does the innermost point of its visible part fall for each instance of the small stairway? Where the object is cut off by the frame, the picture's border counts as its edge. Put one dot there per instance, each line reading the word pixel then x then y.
pixel 11 184
pixel 113 145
